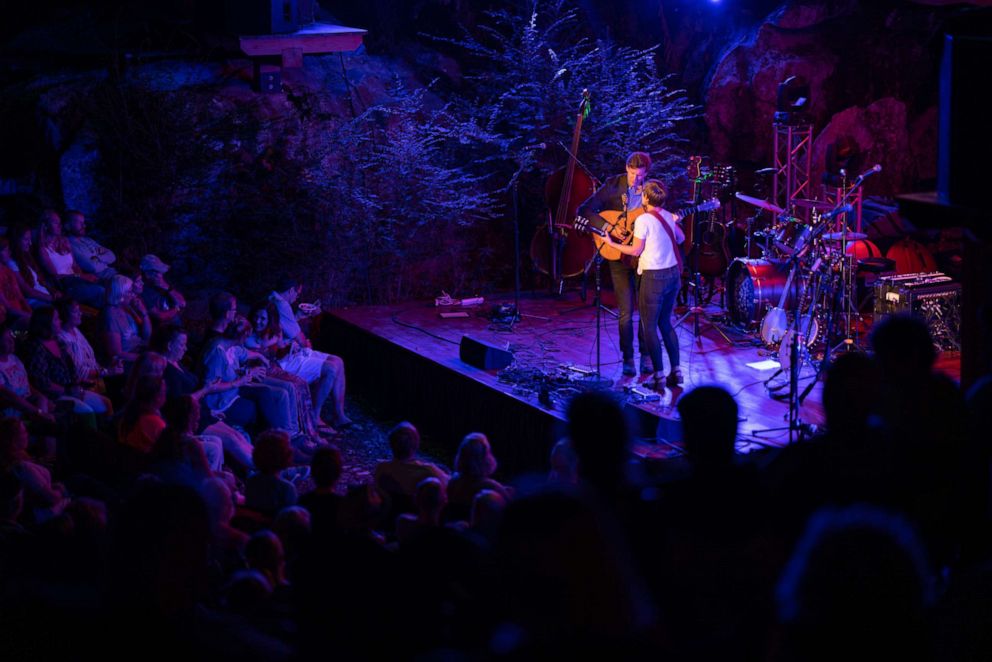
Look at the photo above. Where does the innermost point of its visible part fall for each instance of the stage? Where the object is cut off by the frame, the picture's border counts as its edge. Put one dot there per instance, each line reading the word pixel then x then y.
pixel 405 360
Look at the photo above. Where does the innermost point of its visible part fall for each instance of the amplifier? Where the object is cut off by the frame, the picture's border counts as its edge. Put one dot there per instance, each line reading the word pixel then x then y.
pixel 933 297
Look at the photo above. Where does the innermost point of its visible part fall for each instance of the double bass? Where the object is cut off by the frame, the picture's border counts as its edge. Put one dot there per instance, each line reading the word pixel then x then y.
pixel 557 249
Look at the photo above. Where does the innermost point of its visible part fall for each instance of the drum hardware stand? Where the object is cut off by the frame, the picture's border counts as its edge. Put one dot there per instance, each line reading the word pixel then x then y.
pixel 797 429
pixel 826 352
pixel 848 274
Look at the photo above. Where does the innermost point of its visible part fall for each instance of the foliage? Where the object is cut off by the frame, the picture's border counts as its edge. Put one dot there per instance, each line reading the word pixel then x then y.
pixel 401 200
pixel 532 68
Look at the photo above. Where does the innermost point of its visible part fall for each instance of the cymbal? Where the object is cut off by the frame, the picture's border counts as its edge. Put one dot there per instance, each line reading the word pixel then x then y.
pixel 818 205
pixel 840 236
pixel 760 204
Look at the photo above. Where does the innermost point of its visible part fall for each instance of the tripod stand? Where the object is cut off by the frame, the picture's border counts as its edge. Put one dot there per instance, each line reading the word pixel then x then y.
pixel 596 380
pixel 848 285
pixel 794 337
pixel 697 311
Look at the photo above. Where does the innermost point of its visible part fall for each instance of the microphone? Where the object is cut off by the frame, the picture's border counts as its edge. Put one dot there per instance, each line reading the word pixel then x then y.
pixel 840 210
pixel 764 171
pixel 868 173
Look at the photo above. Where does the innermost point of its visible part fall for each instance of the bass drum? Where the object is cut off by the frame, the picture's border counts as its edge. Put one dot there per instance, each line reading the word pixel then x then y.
pixel 754 286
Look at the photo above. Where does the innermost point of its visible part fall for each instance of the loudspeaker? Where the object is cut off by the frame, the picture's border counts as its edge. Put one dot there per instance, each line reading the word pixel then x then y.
pixel 483 355
pixel 964 131
pixel 261 17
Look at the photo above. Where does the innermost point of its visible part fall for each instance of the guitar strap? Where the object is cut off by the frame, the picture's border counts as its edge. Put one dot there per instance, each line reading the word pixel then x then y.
pixel 671 235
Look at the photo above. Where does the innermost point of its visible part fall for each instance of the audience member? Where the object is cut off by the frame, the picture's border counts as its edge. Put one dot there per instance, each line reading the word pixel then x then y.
pixel 55 257
pixel 164 302
pixel 142 421
pixel 43 499
pixel 11 296
pixel 88 371
pixel 18 397
pixel 91 257
pixel 323 502
pixel 266 491
pixel 237 390
pixel 324 371
pixel 126 329
pixel 51 369
pixel 26 269
pixel 857 588
pixel 474 467
pixel 403 473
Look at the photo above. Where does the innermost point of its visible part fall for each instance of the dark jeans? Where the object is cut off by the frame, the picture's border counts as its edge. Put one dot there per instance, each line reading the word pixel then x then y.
pixel 657 301
pixel 625 287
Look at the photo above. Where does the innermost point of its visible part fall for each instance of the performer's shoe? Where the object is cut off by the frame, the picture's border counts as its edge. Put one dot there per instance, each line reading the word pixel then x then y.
pixel 656 382
pixel 628 368
pixel 646 365
pixel 674 377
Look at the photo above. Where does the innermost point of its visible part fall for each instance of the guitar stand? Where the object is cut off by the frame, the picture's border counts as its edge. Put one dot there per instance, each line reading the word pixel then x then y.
pixel 697 311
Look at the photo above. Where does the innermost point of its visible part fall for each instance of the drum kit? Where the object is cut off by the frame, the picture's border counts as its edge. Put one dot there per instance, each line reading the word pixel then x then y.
pixel 804 269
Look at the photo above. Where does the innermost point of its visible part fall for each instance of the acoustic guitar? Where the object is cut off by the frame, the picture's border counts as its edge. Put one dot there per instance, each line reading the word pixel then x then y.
pixel 620 225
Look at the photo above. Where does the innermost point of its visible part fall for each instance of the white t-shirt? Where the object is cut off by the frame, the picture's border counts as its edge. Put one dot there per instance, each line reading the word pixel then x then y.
pixel 659 253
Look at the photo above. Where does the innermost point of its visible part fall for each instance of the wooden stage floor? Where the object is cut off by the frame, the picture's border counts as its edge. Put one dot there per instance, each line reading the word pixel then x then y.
pixel 402 352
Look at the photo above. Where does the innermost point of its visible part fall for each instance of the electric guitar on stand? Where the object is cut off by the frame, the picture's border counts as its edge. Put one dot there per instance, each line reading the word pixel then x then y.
pixel 709 253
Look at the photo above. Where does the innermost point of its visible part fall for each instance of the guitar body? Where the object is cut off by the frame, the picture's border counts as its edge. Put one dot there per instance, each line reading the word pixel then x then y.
pixel 774 325
pixel 622 223
pixel 711 255
pixel 622 233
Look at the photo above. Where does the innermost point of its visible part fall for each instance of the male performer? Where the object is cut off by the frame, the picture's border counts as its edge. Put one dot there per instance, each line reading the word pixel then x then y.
pixel 619 193
pixel 656 239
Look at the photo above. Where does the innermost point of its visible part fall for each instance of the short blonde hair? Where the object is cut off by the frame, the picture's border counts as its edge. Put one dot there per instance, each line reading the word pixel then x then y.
pixel 120 287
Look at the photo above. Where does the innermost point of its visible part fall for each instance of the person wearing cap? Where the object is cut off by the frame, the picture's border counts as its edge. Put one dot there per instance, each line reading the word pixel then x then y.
pixel 91 257
pixel 164 303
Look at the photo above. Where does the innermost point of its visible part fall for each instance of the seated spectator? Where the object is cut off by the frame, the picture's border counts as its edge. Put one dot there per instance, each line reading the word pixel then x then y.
pixel 237 390
pixel 857 588
pixel 402 474
pixel 124 323
pixel 11 297
pixel 324 371
pixel 149 364
pixel 171 342
pixel 26 269
pixel 266 491
pixel 88 371
pixel 43 499
pixel 164 302
pixel 486 515
pixel 51 369
pixel 142 422
pixel 17 397
pixel 199 455
pixel 223 309
pixel 322 502
pixel 228 546
pixel 306 421
pixel 474 467
pixel 265 554
pixel 55 257
pixel 91 257
pixel 430 502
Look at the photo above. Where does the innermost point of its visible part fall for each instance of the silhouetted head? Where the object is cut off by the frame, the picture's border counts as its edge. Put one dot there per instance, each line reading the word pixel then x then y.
pixel 709 425
pixel 600 437
pixel 903 348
